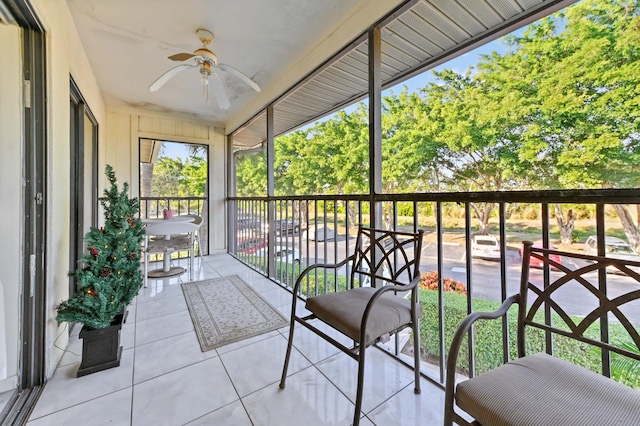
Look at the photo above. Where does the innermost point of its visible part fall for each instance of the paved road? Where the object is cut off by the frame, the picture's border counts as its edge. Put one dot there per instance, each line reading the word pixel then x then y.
pixel 485 274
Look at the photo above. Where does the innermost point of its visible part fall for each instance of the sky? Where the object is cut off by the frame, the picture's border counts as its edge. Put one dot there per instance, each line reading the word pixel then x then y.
pixel 175 150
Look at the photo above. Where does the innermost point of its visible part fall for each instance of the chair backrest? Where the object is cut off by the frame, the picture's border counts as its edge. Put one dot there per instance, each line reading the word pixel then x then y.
pixel 386 257
pixel 196 219
pixel 576 276
pixel 170 227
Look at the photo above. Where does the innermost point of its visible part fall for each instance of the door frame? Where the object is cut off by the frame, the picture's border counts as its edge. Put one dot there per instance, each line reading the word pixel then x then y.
pixel 34 227
pixel 79 110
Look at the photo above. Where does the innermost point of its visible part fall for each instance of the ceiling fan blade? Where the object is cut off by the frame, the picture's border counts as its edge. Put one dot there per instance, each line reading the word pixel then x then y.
pixel 167 76
pixel 219 92
pixel 181 56
pixel 240 75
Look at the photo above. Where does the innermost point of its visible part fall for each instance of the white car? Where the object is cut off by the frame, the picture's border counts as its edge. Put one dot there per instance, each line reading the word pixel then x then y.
pixel 283 254
pixel 287 254
pixel 615 248
pixel 485 247
pixel 322 233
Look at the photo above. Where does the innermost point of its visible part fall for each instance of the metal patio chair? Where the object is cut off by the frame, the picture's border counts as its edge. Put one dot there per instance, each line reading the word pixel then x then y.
pixel 537 388
pixel 197 220
pixel 390 262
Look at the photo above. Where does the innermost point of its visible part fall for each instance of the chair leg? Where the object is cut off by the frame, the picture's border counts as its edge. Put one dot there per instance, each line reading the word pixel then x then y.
pixel 199 246
pixel 191 260
pixel 145 269
pixel 416 355
pixel 288 355
pixel 360 391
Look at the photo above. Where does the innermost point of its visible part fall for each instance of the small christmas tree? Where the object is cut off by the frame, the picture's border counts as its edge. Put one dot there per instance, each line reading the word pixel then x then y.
pixel 110 277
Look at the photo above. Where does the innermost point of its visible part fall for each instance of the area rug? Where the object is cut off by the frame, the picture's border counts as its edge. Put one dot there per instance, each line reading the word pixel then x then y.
pixel 226 310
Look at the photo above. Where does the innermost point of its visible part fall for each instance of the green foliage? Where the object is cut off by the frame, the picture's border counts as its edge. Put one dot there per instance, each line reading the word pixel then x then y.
pixel 173 177
pixel 167 173
pixel 625 369
pixel 558 110
pixel 488 337
pixel 110 277
pixel 251 172
pixel 405 208
pixel 194 177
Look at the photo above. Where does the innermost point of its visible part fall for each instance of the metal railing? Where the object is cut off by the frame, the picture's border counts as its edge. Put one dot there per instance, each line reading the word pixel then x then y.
pixel 316 229
pixel 153 208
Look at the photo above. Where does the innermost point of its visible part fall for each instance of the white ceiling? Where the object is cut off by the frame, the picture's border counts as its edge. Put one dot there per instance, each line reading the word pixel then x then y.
pixel 128 42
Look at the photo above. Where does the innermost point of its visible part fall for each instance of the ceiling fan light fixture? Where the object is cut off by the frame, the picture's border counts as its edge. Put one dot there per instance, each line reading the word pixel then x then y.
pixel 205 73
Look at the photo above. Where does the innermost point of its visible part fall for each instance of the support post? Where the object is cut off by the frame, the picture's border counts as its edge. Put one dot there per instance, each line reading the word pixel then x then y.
pixel 375 135
pixel 271 205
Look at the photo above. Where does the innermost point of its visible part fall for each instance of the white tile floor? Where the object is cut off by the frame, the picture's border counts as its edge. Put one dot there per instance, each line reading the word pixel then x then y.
pixel 164 378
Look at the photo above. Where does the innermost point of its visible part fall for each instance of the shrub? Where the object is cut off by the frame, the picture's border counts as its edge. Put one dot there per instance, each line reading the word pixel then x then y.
pixel 429 281
pixel 405 208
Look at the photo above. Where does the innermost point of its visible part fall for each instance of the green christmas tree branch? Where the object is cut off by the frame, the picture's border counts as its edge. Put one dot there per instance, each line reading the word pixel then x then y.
pixel 110 276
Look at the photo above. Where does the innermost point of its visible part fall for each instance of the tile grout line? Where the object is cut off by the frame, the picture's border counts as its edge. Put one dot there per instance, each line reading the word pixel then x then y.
pixel 234 385
pixel 133 367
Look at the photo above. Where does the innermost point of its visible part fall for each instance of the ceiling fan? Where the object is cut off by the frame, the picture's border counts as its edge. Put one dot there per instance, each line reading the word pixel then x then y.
pixel 208 64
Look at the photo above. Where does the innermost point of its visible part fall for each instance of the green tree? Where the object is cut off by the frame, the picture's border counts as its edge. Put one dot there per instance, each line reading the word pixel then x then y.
pixel 575 79
pixel 251 174
pixel 558 110
pixel 474 149
pixel 167 173
pixel 407 149
pixel 193 179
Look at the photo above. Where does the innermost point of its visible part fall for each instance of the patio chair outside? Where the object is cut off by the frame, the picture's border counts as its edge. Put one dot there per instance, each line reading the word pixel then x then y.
pixel 391 262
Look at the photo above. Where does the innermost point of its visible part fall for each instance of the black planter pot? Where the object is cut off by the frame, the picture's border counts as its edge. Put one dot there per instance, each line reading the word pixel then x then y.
pixel 101 347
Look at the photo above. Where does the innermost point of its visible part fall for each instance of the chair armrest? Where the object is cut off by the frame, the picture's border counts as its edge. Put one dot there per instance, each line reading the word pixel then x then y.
pixel 452 358
pixel 319 265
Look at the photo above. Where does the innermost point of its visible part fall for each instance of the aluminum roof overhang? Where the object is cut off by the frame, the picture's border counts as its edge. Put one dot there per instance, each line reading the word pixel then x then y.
pixel 417 36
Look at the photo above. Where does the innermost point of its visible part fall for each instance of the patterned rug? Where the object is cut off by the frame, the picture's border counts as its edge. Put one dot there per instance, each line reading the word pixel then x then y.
pixel 226 310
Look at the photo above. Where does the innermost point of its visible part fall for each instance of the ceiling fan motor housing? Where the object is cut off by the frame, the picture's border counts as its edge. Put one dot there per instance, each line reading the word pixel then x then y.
pixel 208 55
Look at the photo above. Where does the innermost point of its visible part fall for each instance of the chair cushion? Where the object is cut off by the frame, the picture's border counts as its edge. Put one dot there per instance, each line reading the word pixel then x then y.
pixel 543 390
pixel 344 309
pixel 176 243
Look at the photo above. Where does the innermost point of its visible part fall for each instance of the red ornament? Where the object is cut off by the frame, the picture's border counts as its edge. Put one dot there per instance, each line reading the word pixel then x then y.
pixel 91 292
pixel 94 251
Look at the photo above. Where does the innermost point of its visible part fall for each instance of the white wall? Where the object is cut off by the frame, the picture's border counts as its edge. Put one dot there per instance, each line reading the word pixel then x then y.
pixel 125 127
pixel 65 58
pixel 117 145
pixel 10 196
